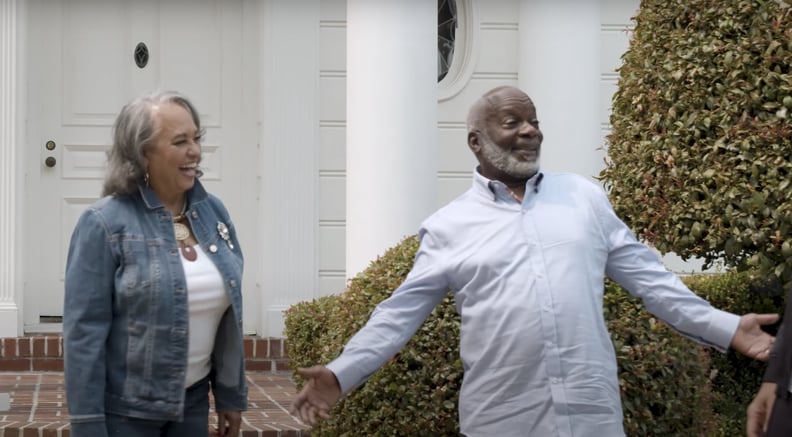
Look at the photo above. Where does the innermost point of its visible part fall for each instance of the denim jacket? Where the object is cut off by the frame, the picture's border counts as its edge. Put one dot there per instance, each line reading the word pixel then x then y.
pixel 125 316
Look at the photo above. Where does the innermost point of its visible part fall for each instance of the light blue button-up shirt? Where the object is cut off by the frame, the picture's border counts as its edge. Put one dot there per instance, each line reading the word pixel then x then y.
pixel 528 282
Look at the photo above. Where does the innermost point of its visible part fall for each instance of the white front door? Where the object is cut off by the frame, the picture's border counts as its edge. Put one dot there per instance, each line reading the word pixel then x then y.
pixel 81 70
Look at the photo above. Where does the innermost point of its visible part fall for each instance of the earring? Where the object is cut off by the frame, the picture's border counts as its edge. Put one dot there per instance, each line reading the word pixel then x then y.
pixel 146 178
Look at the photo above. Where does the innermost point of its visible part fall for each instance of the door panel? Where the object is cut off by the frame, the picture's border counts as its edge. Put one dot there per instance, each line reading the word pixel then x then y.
pixel 81 71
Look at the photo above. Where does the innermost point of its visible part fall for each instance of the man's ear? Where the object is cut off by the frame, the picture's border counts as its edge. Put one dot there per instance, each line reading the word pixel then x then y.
pixel 473 142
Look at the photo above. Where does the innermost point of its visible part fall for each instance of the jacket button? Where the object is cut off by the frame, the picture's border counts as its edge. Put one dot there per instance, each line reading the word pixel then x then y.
pixel 233 283
pixel 195 214
pixel 213 248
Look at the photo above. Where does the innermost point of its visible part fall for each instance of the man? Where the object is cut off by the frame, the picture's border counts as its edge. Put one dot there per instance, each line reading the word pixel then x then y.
pixel 770 413
pixel 525 254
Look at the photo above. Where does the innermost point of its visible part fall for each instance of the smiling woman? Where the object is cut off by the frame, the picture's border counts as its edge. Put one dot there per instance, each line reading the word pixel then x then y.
pixel 143 325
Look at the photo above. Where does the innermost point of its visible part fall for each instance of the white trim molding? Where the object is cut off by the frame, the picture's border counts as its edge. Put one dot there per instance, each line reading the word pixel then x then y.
pixel 11 105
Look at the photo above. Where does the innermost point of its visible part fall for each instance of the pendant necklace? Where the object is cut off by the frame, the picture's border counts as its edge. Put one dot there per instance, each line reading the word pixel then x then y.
pixel 182 232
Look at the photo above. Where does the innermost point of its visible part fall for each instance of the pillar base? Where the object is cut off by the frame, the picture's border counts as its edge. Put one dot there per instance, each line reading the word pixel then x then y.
pixel 9 320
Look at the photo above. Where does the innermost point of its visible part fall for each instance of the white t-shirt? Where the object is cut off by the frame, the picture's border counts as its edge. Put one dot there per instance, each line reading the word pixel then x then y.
pixel 208 300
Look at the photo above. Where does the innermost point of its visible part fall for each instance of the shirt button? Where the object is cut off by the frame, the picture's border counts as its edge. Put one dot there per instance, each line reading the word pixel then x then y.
pixel 555 380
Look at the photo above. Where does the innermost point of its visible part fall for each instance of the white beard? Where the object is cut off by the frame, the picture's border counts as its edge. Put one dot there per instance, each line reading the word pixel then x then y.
pixel 504 161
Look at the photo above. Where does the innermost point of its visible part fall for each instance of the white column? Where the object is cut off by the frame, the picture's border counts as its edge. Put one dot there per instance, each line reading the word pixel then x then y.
pixel 560 69
pixel 287 159
pixel 391 124
pixel 11 117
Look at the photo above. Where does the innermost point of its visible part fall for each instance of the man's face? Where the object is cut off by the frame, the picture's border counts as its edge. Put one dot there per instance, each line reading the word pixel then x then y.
pixel 511 141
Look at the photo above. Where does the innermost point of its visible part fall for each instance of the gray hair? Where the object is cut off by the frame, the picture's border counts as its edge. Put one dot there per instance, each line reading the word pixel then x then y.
pixel 133 132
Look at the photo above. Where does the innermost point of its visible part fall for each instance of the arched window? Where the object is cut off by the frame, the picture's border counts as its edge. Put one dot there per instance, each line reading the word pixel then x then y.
pixel 446 36
pixel 455 46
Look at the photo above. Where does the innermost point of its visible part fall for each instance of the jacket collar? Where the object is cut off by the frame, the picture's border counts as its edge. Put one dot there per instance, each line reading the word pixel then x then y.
pixel 195 194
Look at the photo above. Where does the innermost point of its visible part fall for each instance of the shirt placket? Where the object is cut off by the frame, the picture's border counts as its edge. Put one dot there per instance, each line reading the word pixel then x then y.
pixel 552 355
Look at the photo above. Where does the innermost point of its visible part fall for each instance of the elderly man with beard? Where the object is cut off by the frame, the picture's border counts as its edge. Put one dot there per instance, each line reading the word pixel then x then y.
pixel 525 254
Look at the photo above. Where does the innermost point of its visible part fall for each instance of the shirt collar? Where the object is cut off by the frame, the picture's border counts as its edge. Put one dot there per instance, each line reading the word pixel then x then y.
pixel 490 187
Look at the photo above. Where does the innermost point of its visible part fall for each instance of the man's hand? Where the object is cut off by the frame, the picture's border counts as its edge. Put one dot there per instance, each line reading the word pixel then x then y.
pixel 317 397
pixel 750 340
pixel 228 423
pixel 759 410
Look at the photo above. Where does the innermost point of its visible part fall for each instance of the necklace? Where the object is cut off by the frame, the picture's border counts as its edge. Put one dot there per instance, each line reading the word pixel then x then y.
pixel 182 232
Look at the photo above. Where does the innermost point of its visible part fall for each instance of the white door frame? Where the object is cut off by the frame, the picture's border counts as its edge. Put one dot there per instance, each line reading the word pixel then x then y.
pixel 13 28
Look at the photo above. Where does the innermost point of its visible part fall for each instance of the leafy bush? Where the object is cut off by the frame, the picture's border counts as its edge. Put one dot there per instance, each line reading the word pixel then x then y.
pixel 670 386
pixel 735 378
pixel 416 393
pixel 664 377
pixel 701 146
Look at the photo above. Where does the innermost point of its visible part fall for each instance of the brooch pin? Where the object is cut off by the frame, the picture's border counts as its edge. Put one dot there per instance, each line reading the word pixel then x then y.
pixel 222 229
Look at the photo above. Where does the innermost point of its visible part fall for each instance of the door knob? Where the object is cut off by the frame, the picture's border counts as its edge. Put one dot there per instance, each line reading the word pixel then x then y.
pixel 50 161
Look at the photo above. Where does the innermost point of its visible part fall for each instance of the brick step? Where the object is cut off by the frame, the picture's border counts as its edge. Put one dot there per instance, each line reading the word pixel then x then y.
pixel 37 406
pixel 44 353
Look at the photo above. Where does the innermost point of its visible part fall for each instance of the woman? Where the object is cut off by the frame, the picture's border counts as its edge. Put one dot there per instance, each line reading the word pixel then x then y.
pixel 153 308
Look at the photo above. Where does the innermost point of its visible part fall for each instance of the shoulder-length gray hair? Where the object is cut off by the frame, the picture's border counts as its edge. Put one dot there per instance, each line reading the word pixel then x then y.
pixel 133 131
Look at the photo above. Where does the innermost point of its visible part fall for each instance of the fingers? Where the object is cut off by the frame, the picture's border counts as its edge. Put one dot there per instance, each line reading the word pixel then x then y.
pixel 221 425
pixel 756 419
pixel 310 372
pixel 767 319
pixel 307 413
pixel 228 423
pixel 233 427
pixel 318 395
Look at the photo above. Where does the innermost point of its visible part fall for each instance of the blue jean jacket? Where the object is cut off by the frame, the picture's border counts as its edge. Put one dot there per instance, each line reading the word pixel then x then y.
pixel 125 317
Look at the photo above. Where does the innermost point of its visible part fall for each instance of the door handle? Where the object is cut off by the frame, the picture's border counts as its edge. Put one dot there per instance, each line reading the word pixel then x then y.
pixel 50 160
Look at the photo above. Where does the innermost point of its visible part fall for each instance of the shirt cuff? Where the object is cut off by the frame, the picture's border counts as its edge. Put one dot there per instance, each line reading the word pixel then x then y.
pixel 348 373
pixel 720 332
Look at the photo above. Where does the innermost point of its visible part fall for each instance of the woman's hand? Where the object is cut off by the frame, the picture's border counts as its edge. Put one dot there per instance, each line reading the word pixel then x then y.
pixel 228 423
pixel 760 409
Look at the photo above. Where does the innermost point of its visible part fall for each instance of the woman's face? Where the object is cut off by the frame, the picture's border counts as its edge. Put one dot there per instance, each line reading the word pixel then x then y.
pixel 173 156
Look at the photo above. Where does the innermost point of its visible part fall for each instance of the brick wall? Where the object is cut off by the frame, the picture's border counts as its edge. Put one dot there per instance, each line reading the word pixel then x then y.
pixel 45 353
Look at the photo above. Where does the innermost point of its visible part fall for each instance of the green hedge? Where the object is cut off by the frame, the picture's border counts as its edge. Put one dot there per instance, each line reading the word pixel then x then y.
pixel 670 386
pixel 416 393
pixel 699 150
pixel 735 378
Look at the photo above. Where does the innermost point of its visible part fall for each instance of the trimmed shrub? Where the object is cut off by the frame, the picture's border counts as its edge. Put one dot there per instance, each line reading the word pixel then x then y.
pixel 670 386
pixel 664 377
pixel 735 378
pixel 700 152
pixel 416 392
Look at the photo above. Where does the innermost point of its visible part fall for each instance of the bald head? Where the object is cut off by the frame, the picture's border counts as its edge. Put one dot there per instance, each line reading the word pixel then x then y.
pixel 486 104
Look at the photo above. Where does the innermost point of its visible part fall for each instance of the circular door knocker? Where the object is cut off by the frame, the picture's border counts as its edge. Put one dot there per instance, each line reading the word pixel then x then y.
pixel 141 55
